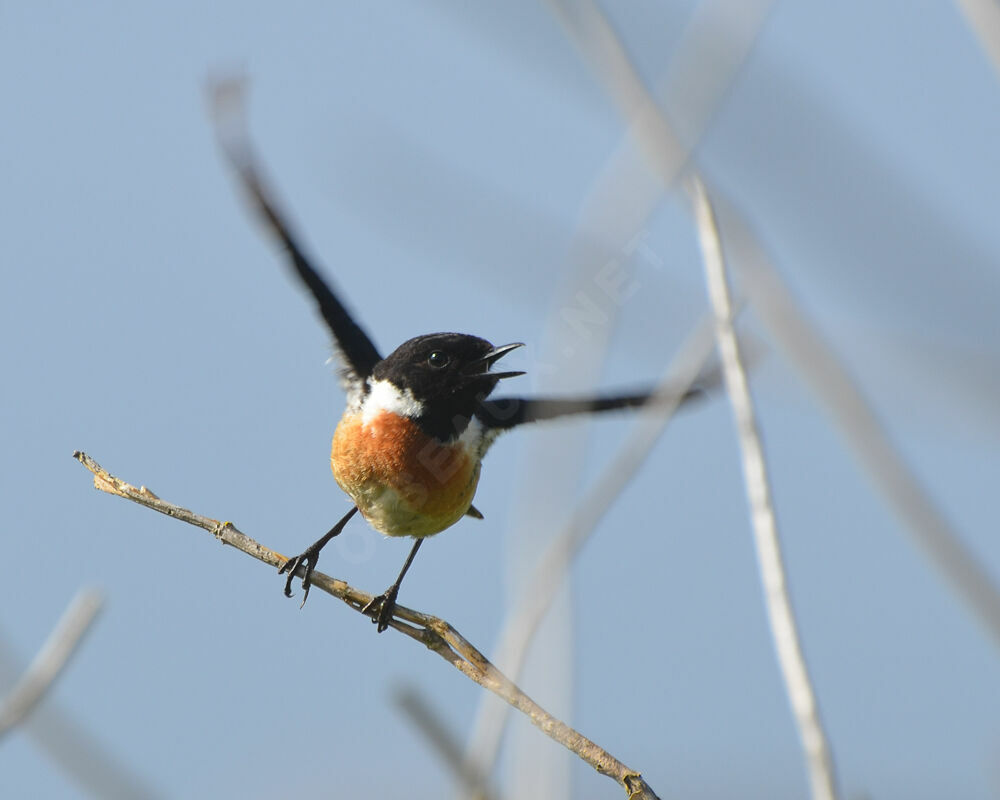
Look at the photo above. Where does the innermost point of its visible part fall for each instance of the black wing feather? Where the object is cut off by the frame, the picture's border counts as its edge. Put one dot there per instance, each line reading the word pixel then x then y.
pixel 509 412
pixel 358 350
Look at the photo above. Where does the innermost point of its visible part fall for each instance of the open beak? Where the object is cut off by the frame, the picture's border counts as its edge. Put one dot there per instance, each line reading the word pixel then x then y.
pixel 491 358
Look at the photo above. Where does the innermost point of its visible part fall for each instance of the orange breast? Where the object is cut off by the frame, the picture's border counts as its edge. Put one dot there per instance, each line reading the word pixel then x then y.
pixel 403 481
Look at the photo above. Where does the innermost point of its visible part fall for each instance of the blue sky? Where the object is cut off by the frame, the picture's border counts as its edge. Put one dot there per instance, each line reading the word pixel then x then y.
pixel 437 161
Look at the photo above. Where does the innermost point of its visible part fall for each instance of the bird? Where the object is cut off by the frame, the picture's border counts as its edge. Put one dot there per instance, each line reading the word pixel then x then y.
pixel 417 423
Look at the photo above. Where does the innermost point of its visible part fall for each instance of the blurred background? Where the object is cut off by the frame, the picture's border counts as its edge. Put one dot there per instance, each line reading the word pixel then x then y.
pixel 452 167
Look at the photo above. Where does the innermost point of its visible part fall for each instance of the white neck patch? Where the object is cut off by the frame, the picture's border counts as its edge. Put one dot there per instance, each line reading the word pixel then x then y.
pixel 383 397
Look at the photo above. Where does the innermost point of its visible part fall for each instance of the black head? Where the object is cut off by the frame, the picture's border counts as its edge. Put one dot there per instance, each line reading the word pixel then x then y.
pixel 448 374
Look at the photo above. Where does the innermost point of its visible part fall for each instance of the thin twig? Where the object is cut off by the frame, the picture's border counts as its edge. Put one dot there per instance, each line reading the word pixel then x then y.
pixel 983 17
pixel 523 621
pixel 868 438
pixel 434 633
pixel 772 570
pixel 599 42
pixel 590 29
pixel 612 220
pixel 51 659
pixel 72 746
pixel 445 744
pixel 714 66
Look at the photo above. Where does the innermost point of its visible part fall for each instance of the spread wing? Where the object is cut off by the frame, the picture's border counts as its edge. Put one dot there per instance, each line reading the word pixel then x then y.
pixel 358 353
pixel 506 413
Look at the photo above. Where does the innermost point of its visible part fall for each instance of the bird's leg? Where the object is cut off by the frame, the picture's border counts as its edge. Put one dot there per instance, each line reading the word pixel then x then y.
pixel 310 557
pixel 381 608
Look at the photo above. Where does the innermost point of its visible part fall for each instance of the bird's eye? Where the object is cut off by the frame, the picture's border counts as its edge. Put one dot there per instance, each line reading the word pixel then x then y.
pixel 437 359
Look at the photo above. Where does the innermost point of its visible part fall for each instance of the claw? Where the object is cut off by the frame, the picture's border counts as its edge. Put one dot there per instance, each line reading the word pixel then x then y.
pixel 381 608
pixel 309 558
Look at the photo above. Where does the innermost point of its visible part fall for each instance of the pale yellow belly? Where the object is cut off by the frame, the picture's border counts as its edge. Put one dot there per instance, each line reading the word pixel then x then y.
pixel 403 482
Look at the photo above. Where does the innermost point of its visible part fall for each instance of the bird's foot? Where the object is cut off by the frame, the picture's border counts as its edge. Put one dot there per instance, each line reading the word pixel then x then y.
pixel 308 559
pixel 381 608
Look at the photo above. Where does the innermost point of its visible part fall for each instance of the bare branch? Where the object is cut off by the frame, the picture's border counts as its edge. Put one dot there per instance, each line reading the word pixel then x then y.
pixel 51 659
pixel 779 605
pixel 434 633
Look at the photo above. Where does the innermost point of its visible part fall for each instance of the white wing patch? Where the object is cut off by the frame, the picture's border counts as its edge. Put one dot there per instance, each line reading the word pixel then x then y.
pixel 477 438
